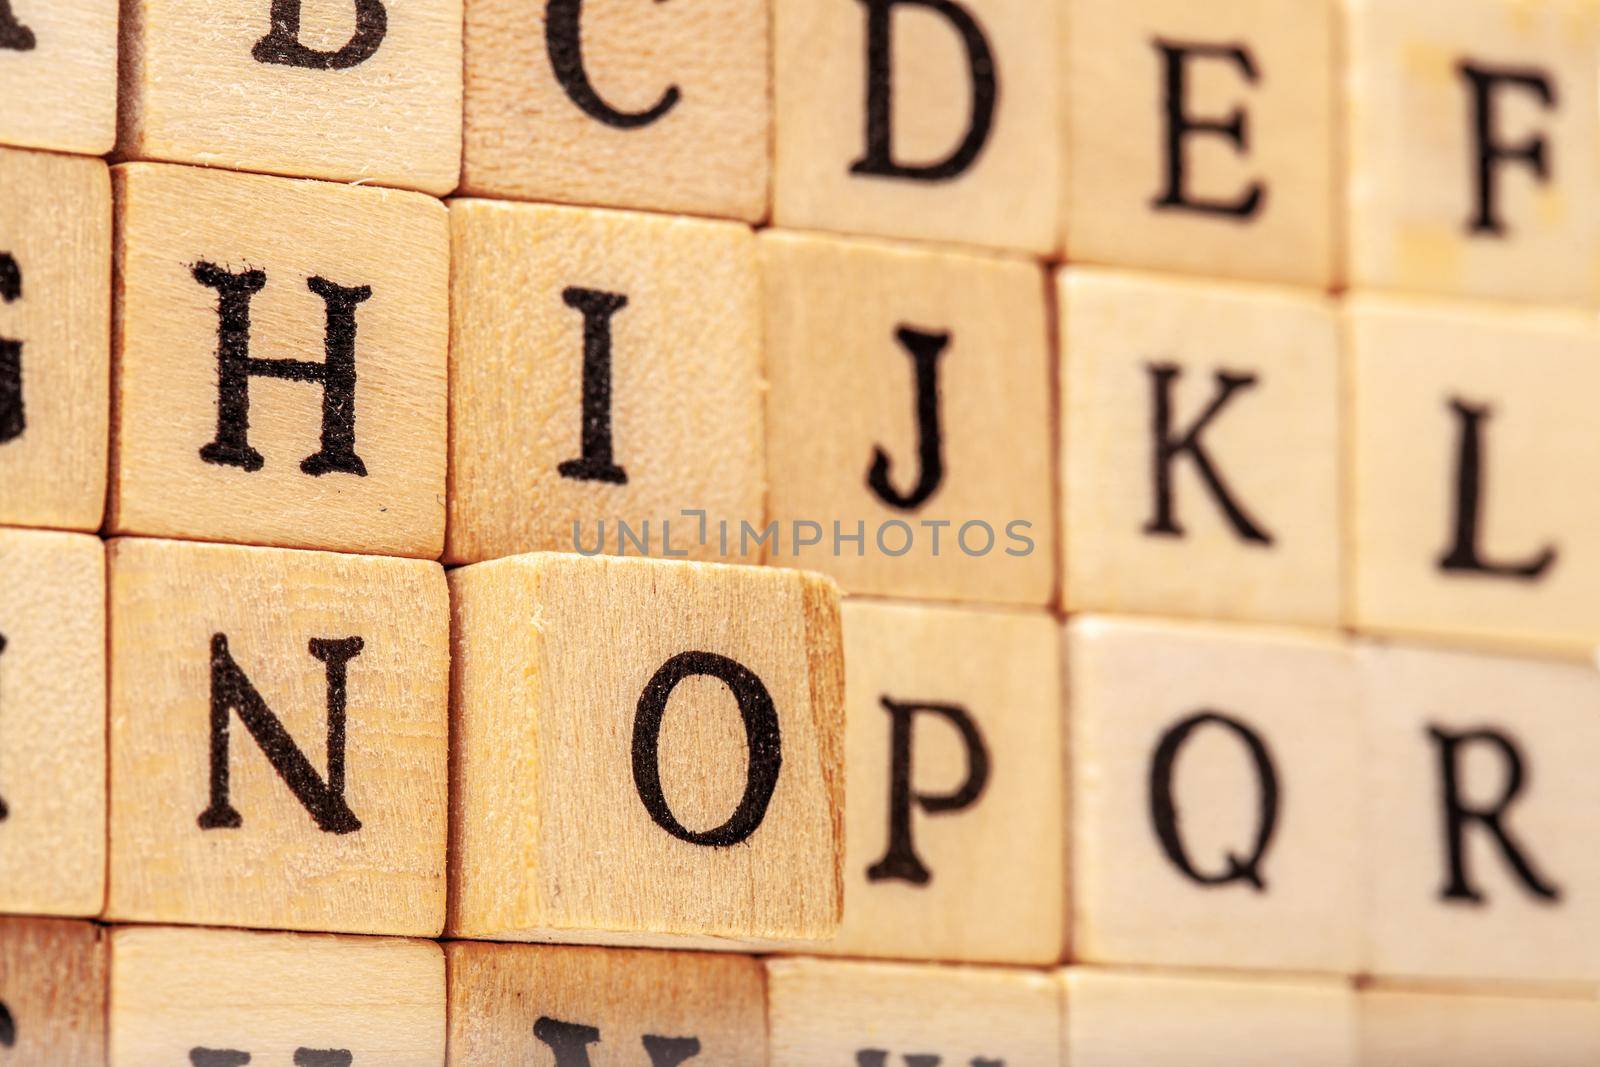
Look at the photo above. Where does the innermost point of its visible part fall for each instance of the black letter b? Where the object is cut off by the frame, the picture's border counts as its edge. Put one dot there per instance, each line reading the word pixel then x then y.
pixel 282 44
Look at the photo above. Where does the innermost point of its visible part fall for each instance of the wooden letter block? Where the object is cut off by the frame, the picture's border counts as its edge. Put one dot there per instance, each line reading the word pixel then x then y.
pixel 1201 449
pixel 955 831
pixel 58 63
pixel 278 738
pixel 903 118
pixel 1473 439
pixel 620 103
pixel 909 420
pixel 55 337
pixel 52 723
pixel 1216 797
pixel 52 993
pixel 1482 802
pixel 645 751
pixel 349 90
pixel 521 1004
pixel 280 362
pixel 230 997
pixel 1474 148
pixel 887 1014
pixel 1420 1028
pixel 605 368
pixel 1201 137
pixel 1144 1019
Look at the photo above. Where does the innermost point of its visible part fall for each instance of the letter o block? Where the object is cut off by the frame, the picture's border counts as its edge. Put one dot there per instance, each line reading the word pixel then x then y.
pixel 645 752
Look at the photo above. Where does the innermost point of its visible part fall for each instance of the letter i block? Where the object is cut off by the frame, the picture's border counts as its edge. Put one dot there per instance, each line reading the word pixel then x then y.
pixel 52 993
pixel 909 419
pixel 278 738
pixel 1216 797
pixel 1201 448
pixel 645 752
pixel 1416 1027
pixel 58 62
pixel 225 998
pixel 1474 148
pixel 608 1007
pixel 281 360
pixel 605 370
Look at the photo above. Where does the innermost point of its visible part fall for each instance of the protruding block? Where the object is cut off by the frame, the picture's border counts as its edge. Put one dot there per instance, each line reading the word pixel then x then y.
pixel 52 723
pixel 1445 1027
pixel 348 90
pixel 923 120
pixel 55 336
pixel 278 738
pixel 1201 137
pixel 1201 449
pixel 645 752
pixel 1473 441
pixel 52 993
pixel 909 420
pixel 58 62
pixel 518 1004
pixel 231 997
pixel 1216 807
pixel 280 362
pixel 605 370
pixel 1474 148
pixel 637 105
pixel 955 833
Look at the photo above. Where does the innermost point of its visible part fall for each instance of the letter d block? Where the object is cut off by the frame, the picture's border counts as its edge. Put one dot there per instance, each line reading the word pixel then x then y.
pixel 52 993
pixel 645 752
pixel 278 738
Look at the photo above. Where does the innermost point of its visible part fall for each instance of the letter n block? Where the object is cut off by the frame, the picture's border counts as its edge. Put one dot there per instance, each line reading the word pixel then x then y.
pixel 645 752
pixel 52 993
pixel 280 362
pixel 1417 1026
pixel 278 738
pixel 58 61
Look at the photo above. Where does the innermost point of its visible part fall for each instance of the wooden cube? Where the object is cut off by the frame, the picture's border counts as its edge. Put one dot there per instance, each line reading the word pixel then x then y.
pixel 1472 439
pixel 1443 1027
pixel 520 1004
pixel 909 420
pixel 924 120
pixel 55 337
pixel 1201 449
pixel 348 90
pixel 620 104
pixel 59 64
pixel 52 993
pixel 605 370
pixel 1200 137
pixel 1474 148
pixel 645 752
pixel 230 997
pixel 1216 816
pixel 878 1014
pixel 280 362
pixel 278 738
pixel 955 835
pixel 52 723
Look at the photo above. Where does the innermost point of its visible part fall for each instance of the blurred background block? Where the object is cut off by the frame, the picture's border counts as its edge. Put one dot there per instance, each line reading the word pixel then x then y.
pixel 52 993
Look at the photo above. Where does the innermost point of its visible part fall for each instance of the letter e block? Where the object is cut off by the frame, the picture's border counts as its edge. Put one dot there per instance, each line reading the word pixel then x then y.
pixel 58 62
pixel 1403 1027
pixel 52 993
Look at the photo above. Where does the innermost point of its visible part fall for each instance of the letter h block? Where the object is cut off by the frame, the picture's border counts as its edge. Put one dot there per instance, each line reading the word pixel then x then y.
pixel 645 752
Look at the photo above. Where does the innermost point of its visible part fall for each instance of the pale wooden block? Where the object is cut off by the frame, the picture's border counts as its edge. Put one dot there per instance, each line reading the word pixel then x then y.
pixel 52 993
pixel 52 723
pixel 55 338
pixel 363 91
pixel 882 1014
pixel 1200 137
pixel 1216 797
pixel 209 446
pixel 1423 1028
pixel 1470 436
pixel 1150 1019
pixel 605 366
pixel 519 1004
pixel 955 836
pixel 1446 104
pixel 910 388
pixel 1201 449
pixel 278 738
pixel 645 750
pixel 621 104
pixel 58 62
pixel 1511 892
pixel 937 122
pixel 230 997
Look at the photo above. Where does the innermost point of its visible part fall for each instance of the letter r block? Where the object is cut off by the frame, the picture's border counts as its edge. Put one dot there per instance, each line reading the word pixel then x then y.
pixel 52 993
pixel 58 61
pixel 645 752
